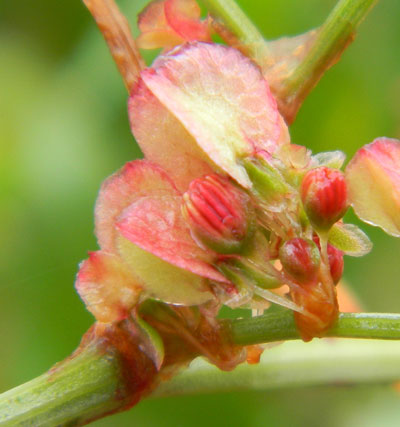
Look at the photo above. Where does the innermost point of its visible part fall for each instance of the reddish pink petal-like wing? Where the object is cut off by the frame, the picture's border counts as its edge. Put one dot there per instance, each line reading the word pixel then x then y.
pixel 155 30
pixel 107 287
pixel 222 100
pixel 152 17
pixel 183 16
pixel 164 140
pixel 373 180
pixel 156 225
pixel 136 179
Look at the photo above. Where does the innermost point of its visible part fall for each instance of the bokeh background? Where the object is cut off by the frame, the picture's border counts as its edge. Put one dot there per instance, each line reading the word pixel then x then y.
pixel 64 128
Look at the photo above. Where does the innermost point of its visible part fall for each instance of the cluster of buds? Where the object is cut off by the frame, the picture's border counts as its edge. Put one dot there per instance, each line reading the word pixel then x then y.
pixel 225 209
pixel 235 223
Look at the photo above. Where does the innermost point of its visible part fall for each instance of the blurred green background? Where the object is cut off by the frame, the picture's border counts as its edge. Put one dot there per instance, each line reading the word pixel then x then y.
pixel 64 128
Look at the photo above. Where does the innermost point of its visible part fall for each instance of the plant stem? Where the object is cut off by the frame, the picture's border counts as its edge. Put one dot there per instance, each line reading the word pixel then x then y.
pixel 297 76
pixel 107 373
pixel 116 31
pixel 233 17
pixel 81 389
pixel 331 40
pixel 295 364
pixel 281 327
pixel 92 383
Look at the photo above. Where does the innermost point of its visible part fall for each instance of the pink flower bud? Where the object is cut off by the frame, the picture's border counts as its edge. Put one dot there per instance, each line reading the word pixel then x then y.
pixel 324 196
pixel 336 263
pixel 300 259
pixel 220 215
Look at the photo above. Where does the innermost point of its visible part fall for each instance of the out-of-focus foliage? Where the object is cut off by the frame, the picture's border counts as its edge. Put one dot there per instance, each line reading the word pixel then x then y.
pixel 64 128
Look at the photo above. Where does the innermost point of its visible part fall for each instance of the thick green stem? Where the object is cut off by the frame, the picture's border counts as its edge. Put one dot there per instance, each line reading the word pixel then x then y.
pixel 93 382
pixel 295 364
pixel 79 389
pixel 107 373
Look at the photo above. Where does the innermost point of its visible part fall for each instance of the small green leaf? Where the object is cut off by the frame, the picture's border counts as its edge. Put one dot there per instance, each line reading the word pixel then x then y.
pixel 350 239
pixel 152 343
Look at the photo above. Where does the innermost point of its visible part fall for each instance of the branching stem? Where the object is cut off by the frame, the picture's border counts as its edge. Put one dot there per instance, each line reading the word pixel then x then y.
pixel 89 385
pixel 324 50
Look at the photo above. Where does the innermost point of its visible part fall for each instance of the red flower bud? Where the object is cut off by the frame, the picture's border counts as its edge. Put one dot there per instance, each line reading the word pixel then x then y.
pixel 300 259
pixel 324 196
pixel 336 263
pixel 220 215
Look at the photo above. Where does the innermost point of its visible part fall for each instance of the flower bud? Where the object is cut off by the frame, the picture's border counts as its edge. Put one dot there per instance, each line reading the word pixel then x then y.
pixel 324 196
pixel 336 263
pixel 219 214
pixel 300 260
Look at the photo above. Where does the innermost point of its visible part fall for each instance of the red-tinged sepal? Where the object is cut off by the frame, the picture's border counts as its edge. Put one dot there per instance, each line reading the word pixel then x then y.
pixel 220 215
pixel 107 287
pixel 168 23
pixel 320 305
pixel 324 197
pixel 373 179
pixel 300 260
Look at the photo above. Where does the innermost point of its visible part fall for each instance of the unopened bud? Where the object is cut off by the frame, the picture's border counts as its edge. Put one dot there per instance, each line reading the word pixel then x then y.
pixel 336 263
pixel 268 182
pixel 220 215
pixel 324 196
pixel 300 260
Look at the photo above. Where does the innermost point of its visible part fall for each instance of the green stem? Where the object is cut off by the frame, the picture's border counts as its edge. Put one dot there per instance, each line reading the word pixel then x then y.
pixel 80 389
pixel 233 17
pixel 92 383
pixel 331 40
pixel 281 327
pixel 300 75
pixel 295 364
